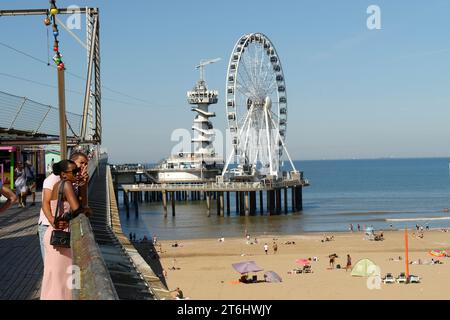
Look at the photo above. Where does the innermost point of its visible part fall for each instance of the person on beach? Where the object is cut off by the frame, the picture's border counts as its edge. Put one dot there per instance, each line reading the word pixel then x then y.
pixel 359 227
pixel 275 247
pixel 266 248
pixel 349 263
pixel 58 260
pixel 82 178
pixel 351 227
pixel 11 198
pixel 332 259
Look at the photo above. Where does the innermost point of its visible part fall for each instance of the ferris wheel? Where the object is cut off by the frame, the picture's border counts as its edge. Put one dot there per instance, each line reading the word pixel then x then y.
pixel 256 105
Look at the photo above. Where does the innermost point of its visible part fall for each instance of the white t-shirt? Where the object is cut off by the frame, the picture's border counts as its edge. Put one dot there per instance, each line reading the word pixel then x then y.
pixel 49 182
pixel 266 247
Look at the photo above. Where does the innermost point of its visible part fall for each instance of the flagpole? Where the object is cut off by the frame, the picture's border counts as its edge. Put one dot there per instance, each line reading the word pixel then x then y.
pixel 406 255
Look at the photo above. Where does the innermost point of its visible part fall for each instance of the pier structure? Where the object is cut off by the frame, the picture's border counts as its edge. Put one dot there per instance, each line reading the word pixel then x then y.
pixel 269 197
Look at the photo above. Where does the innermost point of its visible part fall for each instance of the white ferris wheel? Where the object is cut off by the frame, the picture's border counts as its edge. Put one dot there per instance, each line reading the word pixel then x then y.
pixel 256 105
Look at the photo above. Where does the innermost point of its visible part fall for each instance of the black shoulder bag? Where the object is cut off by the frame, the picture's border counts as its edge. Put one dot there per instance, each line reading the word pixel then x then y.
pixel 60 238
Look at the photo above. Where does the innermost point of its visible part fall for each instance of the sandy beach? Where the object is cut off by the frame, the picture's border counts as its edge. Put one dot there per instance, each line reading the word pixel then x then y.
pixel 204 271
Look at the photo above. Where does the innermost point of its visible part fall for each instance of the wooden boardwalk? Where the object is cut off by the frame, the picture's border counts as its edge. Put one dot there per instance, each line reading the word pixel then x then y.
pixel 21 264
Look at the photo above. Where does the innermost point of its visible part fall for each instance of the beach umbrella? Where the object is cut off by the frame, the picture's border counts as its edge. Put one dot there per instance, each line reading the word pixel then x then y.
pixel 303 262
pixel 437 253
pixel 271 276
pixel 246 266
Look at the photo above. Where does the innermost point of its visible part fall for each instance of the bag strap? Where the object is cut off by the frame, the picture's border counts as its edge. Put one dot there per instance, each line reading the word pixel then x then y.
pixel 60 194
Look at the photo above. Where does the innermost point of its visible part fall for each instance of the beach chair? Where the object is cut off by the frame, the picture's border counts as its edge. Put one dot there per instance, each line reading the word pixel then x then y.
pixel 401 278
pixel 307 269
pixel 388 278
pixel 414 279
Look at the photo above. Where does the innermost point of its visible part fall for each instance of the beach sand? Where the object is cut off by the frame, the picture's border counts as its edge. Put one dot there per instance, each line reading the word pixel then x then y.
pixel 204 268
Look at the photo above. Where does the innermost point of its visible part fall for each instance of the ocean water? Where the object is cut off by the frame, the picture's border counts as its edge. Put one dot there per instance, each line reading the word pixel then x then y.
pixel 379 193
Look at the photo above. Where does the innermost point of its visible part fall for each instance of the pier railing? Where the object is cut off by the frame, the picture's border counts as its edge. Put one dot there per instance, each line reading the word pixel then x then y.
pixel 213 186
pixel 92 278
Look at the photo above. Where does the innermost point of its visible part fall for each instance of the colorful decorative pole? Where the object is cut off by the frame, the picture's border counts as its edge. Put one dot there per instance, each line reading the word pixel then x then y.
pixel 61 83
pixel 406 255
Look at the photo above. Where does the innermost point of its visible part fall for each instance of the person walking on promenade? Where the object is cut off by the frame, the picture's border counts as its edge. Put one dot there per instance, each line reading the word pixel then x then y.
pixel 11 198
pixel 266 248
pixel 21 184
pixel 31 181
pixel 58 260
pixel 82 178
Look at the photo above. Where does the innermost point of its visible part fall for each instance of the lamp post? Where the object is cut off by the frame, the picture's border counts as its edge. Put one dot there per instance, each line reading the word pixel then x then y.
pixel 62 114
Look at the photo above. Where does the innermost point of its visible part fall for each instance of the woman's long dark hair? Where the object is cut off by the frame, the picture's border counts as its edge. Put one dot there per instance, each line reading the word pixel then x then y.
pixel 61 166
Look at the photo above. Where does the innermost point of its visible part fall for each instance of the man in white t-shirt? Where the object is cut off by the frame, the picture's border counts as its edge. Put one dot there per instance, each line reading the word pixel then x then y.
pixel 46 217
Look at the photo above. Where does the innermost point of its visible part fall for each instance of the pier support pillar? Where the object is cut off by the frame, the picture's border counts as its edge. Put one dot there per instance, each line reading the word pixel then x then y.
pixel 228 203
pixel 285 201
pixel 298 198
pixel 164 201
pixel 293 199
pixel 278 200
pixel 127 202
pixel 237 203
pixel 173 204
pixel 221 204
pixel 208 202
pixel 247 211
pixel 261 202
pixel 136 207
pixel 271 201
pixel 252 203
pixel 241 203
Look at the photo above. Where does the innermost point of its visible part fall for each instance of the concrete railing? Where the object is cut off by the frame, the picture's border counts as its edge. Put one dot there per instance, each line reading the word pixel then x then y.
pixel 94 280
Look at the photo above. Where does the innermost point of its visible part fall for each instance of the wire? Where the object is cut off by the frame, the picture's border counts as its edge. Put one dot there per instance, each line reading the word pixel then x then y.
pixel 77 92
pixel 75 75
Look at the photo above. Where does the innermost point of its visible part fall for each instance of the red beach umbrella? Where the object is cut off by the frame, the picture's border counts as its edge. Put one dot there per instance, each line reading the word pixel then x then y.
pixel 303 262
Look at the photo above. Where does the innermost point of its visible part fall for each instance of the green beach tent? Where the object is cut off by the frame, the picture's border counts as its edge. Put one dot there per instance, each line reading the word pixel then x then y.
pixel 363 268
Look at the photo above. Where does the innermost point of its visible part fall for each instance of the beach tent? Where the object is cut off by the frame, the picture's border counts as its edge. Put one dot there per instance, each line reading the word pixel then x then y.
pixel 363 268
pixel 246 266
pixel 271 276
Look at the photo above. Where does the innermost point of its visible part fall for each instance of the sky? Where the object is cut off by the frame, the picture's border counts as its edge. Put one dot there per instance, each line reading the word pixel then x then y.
pixel 352 92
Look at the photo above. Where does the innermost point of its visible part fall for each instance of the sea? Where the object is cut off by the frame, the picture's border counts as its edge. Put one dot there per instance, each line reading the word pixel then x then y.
pixel 380 193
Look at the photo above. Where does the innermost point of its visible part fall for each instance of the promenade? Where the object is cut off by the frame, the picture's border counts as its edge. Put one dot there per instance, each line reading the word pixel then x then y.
pixel 21 264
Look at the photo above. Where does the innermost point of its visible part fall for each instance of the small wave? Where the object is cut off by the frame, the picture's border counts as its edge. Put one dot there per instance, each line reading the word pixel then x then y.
pixel 419 219
pixel 363 213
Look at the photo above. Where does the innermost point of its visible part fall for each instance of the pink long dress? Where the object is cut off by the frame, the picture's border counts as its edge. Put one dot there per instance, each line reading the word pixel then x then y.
pixel 57 266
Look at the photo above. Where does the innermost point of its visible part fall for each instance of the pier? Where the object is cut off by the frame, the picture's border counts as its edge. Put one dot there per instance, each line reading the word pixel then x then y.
pixel 250 197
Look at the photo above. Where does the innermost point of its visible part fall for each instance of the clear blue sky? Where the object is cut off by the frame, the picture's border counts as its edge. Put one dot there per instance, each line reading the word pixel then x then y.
pixel 352 92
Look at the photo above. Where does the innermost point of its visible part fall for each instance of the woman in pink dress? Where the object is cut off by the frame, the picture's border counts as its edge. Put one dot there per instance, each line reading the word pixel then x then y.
pixel 57 280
